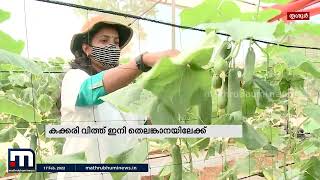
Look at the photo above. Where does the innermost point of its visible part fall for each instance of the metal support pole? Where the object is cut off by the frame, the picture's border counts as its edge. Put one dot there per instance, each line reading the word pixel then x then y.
pixel 173 30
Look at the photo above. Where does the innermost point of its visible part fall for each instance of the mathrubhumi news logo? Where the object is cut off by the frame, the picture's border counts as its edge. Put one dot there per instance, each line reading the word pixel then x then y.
pixel 21 160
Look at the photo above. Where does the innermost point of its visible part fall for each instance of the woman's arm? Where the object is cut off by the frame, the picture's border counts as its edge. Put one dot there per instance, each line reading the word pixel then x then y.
pixel 113 79
pixel 123 75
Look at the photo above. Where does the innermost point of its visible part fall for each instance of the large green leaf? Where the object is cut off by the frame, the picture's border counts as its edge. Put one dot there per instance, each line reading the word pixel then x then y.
pixel 311 168
pixel 298 28
pixel 22 125
pixel 4 15
pixel 7 135
pixel 136 154
pixel 266 88
pixel 7 57
pixel 45 102
pixel 210 11
pixel 249 29
pixel 274 135
pixel 201 55
pixel 9 44
pixel 311 125
pixel 21 110
pixel 175 85
pixel 162 114
pixel 251 138
pixel 298 60
pixel 79 157
pixel 263 16
pixel 313 111
pixel 132 98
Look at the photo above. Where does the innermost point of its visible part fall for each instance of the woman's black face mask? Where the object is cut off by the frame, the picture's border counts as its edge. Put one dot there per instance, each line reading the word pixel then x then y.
pixel 108 56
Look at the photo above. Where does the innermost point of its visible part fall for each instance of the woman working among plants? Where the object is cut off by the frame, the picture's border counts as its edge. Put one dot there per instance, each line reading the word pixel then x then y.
pixel 94 73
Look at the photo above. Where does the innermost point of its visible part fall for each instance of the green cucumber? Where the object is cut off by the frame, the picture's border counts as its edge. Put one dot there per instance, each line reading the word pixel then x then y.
pixel 223 95
pixel 176 173
pixel 220 65
pixel 234 100
pixel 248 103
pixel 249 68
pixel 216 82
pixel 33 142
pixel 225 50
pixel 205 111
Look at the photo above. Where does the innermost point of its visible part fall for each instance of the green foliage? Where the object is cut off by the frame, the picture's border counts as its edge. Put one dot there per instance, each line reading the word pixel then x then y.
pixel 296 60
pixel 313 111
pixel 4 15
pixel 213 11
pixel 6 41
pixel 311 169
pixel 7 57
pixel 132 98
pixel 252 138
pixel 309 28
pixel 136 154
pixel 8 134
pixel 9 44
pixel 163 79
pixel 18 109
pixel 249 29
pixel 210 11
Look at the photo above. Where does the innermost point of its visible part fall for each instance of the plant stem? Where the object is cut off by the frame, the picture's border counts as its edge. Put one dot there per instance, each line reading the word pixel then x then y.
pixel 268 57
pixel 318 97
pixel 258 8
pixel 234 55
pixel 190 156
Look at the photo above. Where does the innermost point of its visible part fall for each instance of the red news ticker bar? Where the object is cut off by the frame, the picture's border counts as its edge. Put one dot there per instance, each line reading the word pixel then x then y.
pixel 298 15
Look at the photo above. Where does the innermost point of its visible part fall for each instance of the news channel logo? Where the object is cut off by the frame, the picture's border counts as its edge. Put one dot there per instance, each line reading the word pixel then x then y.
pixel 21 160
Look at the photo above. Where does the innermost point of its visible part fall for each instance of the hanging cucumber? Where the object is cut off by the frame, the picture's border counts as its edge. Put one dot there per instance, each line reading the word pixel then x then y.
pixel 33 142
pixel 223 95
pixel 220 65
pixel 176 173
pixel 248 103
pixel 225 50
pixel 205 111
pixel 249 68
pixel 216 81
pixel 234 100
